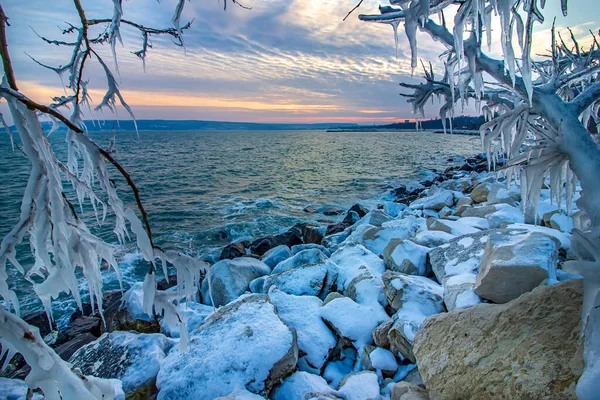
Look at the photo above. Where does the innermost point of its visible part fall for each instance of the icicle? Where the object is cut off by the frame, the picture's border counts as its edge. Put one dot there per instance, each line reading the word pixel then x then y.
pixel 149 291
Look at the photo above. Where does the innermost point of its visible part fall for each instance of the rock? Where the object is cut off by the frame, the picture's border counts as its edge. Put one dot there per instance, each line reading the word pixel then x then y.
pixel 524 349
pixel 354 260
pixel 300 247
pixel 332 296
pixel 230 278
pixel 359 386
pixel 406 257
pixel 312 279
pixel 393 209
pixel 289 238
pixel 257 285
pixel 560 222
pixel 377 238
pixel 313 234
pixel 243 344
pixel 329 211
pixel 445 212
pixel 233 250
pixel 335 228
pixel 464 201
pixel 414 377
pixel 506 214
pixel 351 218
pixel 563 238
pixel 436 202
pixel 359 209
pixel 408 391
pixel 460 210
pixel 241 395
pixel 16 389
pixel 515 264
pixel 377 358
pixel 126 313
pixel 380 334
pixel 79 326
pixel 302 258
pixel 40 320
pixel 297 385
pixel 416 292
pixel 195 313
pixel 432 238
pixel 461 255
pixel 311 209
pixel 351 321
pixel 498 194
pixel 456 228
pixel 366 290
pixel 276 255
pixel 332 242
pixel 133 358
pixel 375 218
pixel 480 192
pixel 315 340
pixel 67 349
pixel 479 211
pixel 459 291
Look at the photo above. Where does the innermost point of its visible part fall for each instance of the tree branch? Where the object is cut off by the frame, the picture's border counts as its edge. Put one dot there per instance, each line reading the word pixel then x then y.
pixel 586 98
pixel 8 69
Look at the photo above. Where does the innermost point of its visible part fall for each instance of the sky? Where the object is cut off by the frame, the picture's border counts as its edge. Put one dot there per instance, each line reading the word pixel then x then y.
pixel 282 61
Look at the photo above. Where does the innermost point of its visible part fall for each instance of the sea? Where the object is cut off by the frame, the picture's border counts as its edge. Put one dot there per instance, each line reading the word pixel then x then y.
pixel 205 189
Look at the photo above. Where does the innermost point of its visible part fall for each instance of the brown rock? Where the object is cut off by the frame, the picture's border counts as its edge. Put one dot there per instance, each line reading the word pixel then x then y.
pixel 408 391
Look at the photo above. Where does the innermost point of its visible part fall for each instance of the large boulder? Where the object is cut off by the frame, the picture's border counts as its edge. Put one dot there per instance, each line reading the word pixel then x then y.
pixel 515 264
pixel 230 278
pixel 354 260
pixel 408 391
pixel 234 250
pixel 276 255
pixel 377 238
pixel 415 292
pixel 244 344
pixel 311 279
pixel 480 192
pixel 524 349
pixel 304 257
pixel 133 358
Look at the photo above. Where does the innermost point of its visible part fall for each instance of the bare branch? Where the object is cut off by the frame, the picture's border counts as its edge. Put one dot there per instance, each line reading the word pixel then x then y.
pixel 8 69
pixel 586 98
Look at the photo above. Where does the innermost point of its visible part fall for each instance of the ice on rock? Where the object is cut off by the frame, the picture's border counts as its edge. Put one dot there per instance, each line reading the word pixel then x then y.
pixel 353 321
pixel 376 239
pixel 132 358
pixel 354 260
pixel 562 222
pixel 406 256
pixel 432 238
pixel 312 280
pixel 302 313
pixel 194 313
pixel 304 257
pixel 243 344
pixel 300 383
pixel 276 255
pixel 562 237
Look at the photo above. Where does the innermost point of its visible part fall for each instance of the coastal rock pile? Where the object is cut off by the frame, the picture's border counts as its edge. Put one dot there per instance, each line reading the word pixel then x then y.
pixel 440 292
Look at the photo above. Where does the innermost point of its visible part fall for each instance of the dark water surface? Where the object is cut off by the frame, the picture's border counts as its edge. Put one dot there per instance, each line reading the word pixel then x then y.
pixel 205 189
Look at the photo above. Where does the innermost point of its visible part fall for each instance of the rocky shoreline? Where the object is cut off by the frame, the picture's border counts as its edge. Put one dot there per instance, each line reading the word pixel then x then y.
pixel 441 292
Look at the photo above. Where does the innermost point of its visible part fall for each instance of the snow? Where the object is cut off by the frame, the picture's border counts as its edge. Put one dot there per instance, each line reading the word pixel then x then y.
pixel 360 386
pixel 223 354
pixel 419 295
pixel 314 338
pixel 413 252
pixel 434 202
pixel 354 260
pixel 383 359
pixel 475 222
pixel 432 238
pixel 300 247
pixel 563 238
pixel 309 279
pixel 505 213
pixel 304 257
pixel 466 242
pixel 276 255
pixel 335 371
pixel 354 321
pixel 300 383
pixel 467 299
pixel 562 222
pixel 393 209
pixel 15 389
pixel 241 395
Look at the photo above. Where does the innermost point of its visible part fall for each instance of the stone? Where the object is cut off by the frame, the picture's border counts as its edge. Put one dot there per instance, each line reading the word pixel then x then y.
pixel 311 279
pixel 480 192
pixel 464 201
pixel 380 334
pixel 459 291
pixel 377 238
pixel 124 312
pixel 406 257
pixel 505 214
pixel 416 292
pixel 289 238
pixel 359 209
pixel 499 194
pixel 233 250
pixel 133 358
pixel 313 234
pixel 431 239
pixel 332 296
pixel 300 247
pixel 67 349
pixel 335 228
pixel 242 345
pixel 525 349
pixel 408 391
pixel 459 210
pixel 375 218
pixel 359 386
pixel 444 212
pixel 230 278
pixel 515 264
pixel 276 255
pixel 330 211
pixel 241 395
pixel 435 202
pixel 457 228
pixel 379 359
pixel 414 377
pixel 77 327
pixel 478 211
pixel 302 258
pixel 351 218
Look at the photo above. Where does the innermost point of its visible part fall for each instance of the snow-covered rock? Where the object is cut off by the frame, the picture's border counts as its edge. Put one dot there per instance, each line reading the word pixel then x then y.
pixel 515 264
pixel 437 201
pixel 406 257
pixel 377 238
pixel 244 344
pixel 315 340
pixel 375 217
pixel 393 209
pixel 352 321
pixel 499 194
pixel 561 222
pixel 456 228
pixel 304 257
pixel 459 291
pixel 379 359
pixel 341 366
pixel 276 255
pixel 562 237
pixel 431 239
pixel 300 383
pixel 300 247
pixel 366 290
pixel 311 279
pixel 354 260
pixel 479 211
pixel 505 214
pixel 231 278
pixel 133 358
pixel 416 293
pixel 16 389
pixel 241 395
pixel 359 386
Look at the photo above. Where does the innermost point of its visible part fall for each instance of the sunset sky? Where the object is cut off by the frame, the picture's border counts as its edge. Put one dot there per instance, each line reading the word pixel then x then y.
pixel 282 61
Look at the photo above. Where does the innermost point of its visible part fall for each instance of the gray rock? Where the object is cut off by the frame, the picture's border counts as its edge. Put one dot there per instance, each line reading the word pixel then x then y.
pixel 67 349
pixel 332 296
pixel 408 391
pixel 231 278
pixel 525 349
pixel 480 192
pixel 479 211
pixel 381 334
pixel 515 264
pixel 276 255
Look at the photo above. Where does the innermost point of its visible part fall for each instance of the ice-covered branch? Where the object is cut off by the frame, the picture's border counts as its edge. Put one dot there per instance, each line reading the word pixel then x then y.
pixel 586 98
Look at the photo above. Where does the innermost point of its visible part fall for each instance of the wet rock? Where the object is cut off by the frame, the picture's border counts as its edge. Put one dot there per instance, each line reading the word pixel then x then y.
pixel 276 255
pixel 330 211
pixel 67 349
pixel 234 250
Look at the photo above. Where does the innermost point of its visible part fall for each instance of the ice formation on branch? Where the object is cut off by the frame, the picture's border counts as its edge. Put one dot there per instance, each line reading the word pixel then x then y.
pixel 48 371
pixel 537 113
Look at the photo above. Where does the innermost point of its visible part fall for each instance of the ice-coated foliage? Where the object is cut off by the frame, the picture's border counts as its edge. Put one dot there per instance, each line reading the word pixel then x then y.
pixel 48 371
pixel 537 112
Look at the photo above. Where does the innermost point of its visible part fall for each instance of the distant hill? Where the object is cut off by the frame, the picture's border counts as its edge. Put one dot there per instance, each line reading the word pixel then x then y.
pixel 197 125
pixel 463 123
